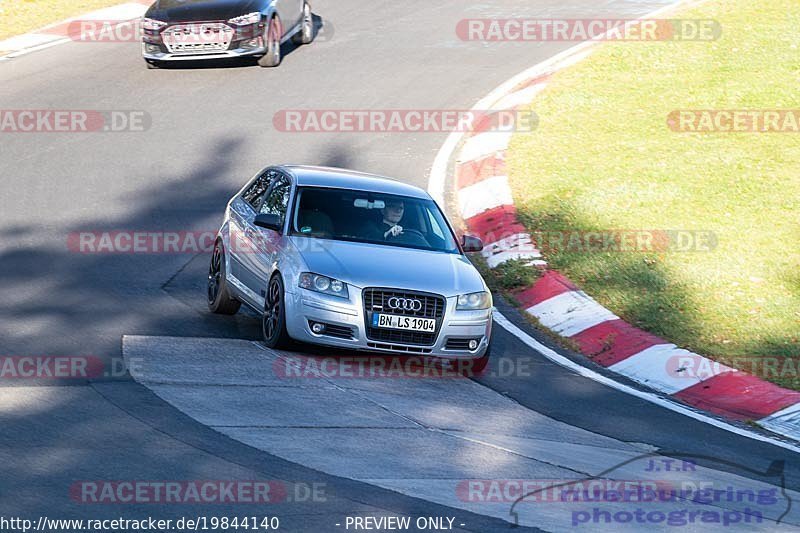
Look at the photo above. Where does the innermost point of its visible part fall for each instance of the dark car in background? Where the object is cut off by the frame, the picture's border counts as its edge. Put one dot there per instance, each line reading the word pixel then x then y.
pixel 174 30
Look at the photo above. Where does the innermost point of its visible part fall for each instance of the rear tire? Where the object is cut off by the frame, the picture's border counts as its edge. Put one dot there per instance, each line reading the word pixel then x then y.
pixel 273 322
pixel 220 300
pixel 272 36
pixel 306 33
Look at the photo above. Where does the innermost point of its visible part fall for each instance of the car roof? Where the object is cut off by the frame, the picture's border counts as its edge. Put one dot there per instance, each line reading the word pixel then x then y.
pixel 340 178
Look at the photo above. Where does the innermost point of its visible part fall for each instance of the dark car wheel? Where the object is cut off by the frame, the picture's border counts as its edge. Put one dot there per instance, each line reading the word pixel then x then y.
pixel 152 64
pixel 272 37
pixel 220 300
pixel 273 323
pixel 306 34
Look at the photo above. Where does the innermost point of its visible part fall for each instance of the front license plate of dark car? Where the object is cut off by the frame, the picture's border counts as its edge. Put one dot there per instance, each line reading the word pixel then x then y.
pixel 380 320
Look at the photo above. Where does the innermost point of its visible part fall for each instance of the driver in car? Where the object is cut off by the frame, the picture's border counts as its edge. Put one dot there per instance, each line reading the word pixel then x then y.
pixel 392 215
pixel 389 229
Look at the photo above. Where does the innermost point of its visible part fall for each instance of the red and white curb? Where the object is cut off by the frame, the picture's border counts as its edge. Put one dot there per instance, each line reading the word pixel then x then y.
pixel 485 202
pixel 64 31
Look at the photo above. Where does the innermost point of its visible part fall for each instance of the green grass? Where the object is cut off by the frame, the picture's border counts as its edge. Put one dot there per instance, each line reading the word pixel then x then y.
pixel 603 158
pixel 21 16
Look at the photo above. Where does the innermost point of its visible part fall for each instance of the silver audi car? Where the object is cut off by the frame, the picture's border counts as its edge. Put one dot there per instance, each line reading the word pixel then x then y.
pixel 341 258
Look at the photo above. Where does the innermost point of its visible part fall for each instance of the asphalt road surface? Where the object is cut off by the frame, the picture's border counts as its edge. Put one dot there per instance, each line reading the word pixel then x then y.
pixel 212 128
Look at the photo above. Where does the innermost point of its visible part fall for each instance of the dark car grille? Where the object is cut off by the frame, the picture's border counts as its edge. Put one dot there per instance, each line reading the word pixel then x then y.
pixel 377 300
pixel 194 37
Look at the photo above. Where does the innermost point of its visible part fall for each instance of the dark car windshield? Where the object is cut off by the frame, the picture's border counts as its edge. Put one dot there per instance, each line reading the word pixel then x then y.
pixel 358 216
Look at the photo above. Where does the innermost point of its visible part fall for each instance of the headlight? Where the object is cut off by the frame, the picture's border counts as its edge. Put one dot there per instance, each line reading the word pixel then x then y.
pixel 246 20
pixel 474 301
pixel 152 24
pixel 323 284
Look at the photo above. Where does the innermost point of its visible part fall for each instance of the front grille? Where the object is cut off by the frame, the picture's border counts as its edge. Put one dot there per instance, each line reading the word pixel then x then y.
pixel 397 348
pixel 200 37
pixel 377 300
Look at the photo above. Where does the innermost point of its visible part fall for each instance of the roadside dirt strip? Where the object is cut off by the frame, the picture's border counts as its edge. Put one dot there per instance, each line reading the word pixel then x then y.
pixel 485 203
pixel 93 26
pixel 447 440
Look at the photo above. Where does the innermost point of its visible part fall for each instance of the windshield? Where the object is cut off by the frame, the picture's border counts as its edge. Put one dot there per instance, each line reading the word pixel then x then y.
pixel 358 216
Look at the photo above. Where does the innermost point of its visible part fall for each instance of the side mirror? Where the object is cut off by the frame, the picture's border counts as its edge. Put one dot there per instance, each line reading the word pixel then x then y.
pixel 471 244
pixel 268 221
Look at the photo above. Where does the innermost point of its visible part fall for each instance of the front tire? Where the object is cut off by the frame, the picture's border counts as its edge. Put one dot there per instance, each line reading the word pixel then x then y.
pixel 152 64
pixel 273 322
pixel 272 36
pixel 306 34
pixel 220 300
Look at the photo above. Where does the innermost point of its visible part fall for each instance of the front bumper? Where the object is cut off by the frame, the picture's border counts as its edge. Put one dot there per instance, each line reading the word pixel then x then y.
pixel 304 307
pixel 244 41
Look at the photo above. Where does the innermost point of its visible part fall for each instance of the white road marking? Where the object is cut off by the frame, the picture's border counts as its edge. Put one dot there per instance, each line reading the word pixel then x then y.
pixel 570 312
pixel 655 367
pixel 484 195
pixel 484 144
pixel 785 421
pixel 651 397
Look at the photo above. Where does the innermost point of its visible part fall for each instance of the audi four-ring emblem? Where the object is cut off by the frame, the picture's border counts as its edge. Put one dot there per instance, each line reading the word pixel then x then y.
pixel 405 304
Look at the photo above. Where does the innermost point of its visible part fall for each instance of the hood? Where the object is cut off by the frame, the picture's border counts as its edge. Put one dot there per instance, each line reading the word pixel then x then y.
pixel 370 265
pixel 200 10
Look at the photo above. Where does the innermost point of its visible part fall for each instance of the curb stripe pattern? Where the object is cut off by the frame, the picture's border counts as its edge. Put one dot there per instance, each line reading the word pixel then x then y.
pixel 487 208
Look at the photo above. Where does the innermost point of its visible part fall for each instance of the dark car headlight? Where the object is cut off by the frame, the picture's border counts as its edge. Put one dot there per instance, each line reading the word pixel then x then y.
pixel 246 20
pixel 152 24
pixel 474 301
pixel 323 284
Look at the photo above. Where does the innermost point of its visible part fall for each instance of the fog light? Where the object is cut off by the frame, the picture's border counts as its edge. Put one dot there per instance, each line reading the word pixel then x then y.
pixel 152 48
pixel 252 43
pixel 317 328
pixel 473 344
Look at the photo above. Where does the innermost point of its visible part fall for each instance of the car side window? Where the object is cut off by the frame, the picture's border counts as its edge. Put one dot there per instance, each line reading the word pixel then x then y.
pixel 255 193
pixel 277 200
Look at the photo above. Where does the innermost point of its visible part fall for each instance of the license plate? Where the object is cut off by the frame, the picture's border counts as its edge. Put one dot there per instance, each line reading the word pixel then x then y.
pixel 427 325
pixel 196 34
